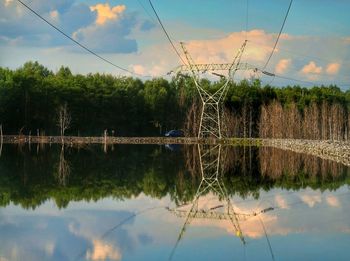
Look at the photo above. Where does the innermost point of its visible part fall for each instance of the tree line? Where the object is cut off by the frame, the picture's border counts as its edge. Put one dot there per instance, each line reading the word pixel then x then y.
pixel 32 98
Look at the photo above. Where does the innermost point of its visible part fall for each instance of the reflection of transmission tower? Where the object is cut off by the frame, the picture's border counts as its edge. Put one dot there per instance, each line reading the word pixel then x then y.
pixel 211 181
pixel 210 123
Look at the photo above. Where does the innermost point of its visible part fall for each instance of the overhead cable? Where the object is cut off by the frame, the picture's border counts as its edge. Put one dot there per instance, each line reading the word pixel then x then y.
pixel 279 34
pixel 247 20
pixel 146 11
pixel 166 33
pixel 79 44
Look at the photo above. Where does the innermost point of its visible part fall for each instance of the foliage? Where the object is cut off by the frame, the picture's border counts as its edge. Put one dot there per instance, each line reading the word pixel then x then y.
pixel 31 95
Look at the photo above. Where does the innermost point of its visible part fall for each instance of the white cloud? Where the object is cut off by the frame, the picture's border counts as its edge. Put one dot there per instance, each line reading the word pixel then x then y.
pixel 109 37
pixel 105 12
pixel 55 15
pixel 333 68
pixel 223 50
pixel 139 69
pixel 311 68
pixel 282 66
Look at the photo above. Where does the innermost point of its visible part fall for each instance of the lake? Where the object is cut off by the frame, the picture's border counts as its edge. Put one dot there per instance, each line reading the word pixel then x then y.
pixel 173 202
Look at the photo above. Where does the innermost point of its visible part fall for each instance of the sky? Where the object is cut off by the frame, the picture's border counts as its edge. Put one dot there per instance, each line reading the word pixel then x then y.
pixel 314 46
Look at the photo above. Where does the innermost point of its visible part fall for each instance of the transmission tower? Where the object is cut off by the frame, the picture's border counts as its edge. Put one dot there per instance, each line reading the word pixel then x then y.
pixel 211 180
pixel 210 121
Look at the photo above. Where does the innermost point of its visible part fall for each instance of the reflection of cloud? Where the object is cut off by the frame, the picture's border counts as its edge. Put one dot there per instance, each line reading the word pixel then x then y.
pixel 333 201
pixel 311 200
pixel 281 202
pixel 105 12
pixel 102 251
pixel 14 253
pixel 49 248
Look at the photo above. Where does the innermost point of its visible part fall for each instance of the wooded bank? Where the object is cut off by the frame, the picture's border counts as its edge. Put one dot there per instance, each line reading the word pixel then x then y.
pixel 36 101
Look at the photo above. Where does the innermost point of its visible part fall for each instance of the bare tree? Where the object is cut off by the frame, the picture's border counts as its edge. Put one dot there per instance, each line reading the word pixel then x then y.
pixel 63 170
pixel 1 139
pixel 64 119
pixel 192 120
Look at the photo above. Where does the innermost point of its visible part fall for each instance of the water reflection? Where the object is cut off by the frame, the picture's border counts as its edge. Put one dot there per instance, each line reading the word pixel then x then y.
pixel 212 171
pixel 84 173
pixel 63 168
pixel 150 203
pixel 211 180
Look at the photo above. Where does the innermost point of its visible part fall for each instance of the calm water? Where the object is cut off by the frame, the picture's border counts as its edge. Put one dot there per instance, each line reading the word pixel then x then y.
pixel 143 202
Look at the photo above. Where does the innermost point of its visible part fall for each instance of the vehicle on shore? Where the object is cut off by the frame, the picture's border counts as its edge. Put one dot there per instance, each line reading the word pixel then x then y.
pixel 175 133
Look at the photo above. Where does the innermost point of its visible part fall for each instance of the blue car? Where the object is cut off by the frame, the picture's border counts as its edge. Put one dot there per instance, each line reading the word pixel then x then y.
pixel 175 133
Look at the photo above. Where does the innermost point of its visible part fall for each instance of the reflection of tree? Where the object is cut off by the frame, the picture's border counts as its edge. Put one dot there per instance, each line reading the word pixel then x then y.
pixel 63 168
pixel 29 179
pixel 298 169
pixel 1 139
pixel 153 185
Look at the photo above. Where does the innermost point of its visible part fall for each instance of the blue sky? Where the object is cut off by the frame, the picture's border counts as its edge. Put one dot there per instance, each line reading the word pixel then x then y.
pixel 315 45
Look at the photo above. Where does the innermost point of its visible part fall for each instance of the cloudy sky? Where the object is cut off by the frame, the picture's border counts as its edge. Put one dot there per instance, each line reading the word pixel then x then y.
pixel 314 47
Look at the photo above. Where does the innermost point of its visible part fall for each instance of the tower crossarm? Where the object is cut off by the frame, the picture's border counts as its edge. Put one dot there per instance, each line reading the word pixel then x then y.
pixel 211 67
pixel 214 215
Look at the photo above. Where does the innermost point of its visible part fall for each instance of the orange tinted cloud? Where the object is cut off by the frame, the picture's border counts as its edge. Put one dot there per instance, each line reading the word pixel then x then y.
pixel 103 251
pixel 281 202
pixel 333 68
pixel 311 200
pixel 283 66
pixel 312 68
pixel 105 12
pixel 333 201
pixel 224 49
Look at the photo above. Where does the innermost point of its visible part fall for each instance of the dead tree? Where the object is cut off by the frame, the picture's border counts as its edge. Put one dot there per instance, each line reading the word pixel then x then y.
pixel 63 168
pixel 1 139
pixel 63 120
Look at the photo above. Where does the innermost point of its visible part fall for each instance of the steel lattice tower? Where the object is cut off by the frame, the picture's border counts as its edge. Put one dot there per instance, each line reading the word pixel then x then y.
pixel 210 121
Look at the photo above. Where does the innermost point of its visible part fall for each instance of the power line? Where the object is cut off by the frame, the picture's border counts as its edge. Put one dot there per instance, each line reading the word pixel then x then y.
pixel 166 33
pixel 144 8
pixel 247 20
pixel 279 34
pixel 265 46
pixel 151 17
pixel 297 80
pixel 79 44
pixel 299 54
